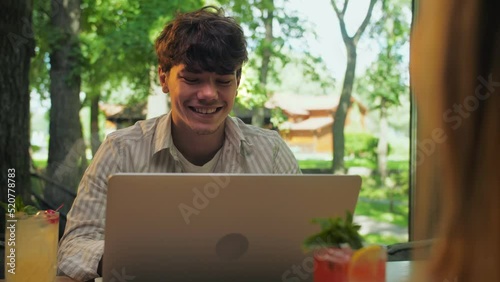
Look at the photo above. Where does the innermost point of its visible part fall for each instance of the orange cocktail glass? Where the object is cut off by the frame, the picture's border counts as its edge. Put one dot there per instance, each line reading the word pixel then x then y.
pixel 346 265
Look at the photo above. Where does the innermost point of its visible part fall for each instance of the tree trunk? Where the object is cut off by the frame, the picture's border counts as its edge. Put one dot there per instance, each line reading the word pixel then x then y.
pixel 16 49
pixel 95 141
pixel 339 117
pixel 382 144
pixel 382 151
pixel 345 98
pixel 66 145
pixel 259 113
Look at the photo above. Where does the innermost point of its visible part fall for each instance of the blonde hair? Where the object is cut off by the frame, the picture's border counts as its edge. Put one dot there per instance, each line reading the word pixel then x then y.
pixel 455 66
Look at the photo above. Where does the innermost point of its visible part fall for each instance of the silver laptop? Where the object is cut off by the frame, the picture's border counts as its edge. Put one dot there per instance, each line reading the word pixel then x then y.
pixel 217 227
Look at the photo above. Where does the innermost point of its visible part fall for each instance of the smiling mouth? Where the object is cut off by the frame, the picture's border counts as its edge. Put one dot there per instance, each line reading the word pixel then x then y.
pixel 205 111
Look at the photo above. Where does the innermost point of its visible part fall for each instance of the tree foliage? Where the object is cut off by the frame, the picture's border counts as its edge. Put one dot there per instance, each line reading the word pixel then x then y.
pixel 385 82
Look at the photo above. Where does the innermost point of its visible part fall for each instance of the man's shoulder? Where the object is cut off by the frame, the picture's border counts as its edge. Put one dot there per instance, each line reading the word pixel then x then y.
pixel 249 130
pixel 137 132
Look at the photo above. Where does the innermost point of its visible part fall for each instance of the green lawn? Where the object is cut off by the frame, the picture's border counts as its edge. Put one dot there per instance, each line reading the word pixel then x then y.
pixel 382 239
pixel 327 164
pixel 379 211
pixel 315 164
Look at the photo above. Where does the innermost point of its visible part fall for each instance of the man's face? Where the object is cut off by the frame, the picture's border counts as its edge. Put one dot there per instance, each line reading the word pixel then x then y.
pixel 200 100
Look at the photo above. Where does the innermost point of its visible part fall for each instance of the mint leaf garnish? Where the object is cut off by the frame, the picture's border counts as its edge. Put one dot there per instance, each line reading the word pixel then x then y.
pixel 30 210
pixel 335 232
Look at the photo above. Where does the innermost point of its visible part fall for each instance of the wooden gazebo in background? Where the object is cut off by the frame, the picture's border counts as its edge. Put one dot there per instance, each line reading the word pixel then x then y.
pixel 310 120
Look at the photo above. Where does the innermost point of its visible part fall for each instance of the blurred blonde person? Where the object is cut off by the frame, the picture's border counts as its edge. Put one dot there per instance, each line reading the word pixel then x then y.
pixel 455 67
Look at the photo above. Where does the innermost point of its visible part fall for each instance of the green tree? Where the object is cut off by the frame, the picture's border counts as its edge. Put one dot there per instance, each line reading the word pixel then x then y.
pixel 16 49
pixel 385 83
pixel 351 43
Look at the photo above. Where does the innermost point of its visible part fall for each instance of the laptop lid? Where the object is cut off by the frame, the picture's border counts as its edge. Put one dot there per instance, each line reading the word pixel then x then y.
pixel 217 227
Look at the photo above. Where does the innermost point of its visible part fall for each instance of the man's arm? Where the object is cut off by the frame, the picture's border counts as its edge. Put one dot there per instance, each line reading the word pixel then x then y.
pixel 82 246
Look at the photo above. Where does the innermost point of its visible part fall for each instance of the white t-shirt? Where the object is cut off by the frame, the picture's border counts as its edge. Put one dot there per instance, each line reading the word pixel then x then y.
pixel 188 167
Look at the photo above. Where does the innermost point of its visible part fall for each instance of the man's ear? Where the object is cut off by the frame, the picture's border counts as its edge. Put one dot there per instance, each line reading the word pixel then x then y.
pixel 163 80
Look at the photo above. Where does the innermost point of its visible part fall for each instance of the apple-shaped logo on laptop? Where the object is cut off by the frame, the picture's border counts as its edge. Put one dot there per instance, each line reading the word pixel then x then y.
pixel 231 246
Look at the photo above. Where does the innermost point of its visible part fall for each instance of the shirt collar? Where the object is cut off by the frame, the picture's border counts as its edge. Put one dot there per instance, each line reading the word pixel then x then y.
pixel 163 134
pixel 162 139
pixel 235 136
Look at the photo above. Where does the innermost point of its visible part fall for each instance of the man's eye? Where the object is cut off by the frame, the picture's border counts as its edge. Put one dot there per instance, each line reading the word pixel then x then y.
pixel 225 82
pixel 190 80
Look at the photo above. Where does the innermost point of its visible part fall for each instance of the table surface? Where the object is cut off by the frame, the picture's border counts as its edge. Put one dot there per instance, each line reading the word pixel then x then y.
pixel 396 271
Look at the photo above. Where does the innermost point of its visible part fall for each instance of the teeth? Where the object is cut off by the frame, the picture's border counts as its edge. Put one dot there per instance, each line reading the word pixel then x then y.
pixel 205 111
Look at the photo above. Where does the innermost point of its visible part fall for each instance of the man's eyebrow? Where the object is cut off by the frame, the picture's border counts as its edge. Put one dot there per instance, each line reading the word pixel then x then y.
pixel 226 73
pixel 198 71
pixel 191 70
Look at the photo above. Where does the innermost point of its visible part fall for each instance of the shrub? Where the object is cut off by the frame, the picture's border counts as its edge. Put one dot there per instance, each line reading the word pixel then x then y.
pixel 361 146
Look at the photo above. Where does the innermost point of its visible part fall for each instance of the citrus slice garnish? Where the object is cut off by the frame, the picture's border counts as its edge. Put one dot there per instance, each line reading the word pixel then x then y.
pixel 368 265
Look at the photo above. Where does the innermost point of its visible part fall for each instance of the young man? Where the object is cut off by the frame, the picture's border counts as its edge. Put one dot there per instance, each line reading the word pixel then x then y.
pixel 200 56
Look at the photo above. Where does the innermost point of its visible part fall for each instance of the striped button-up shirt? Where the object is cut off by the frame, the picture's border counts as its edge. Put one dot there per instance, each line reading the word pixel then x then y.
pixel 147 147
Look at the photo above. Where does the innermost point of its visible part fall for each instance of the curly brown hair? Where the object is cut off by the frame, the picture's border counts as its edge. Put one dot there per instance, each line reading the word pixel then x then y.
pixel 203 40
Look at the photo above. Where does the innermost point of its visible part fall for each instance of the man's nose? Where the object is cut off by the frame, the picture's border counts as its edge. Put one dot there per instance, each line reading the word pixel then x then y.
pixel 208 91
